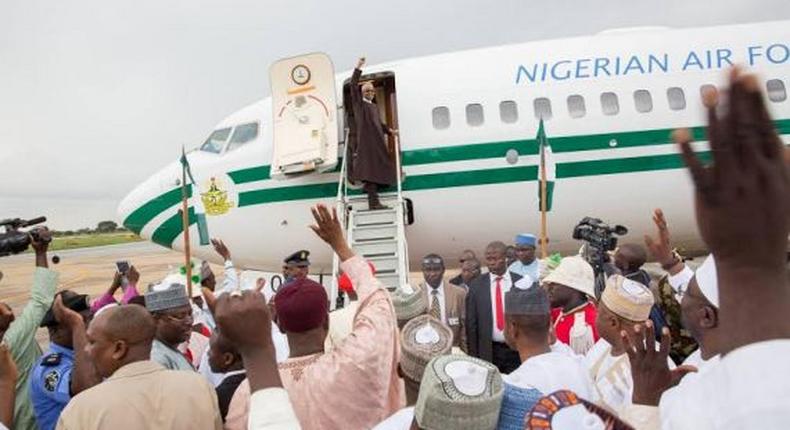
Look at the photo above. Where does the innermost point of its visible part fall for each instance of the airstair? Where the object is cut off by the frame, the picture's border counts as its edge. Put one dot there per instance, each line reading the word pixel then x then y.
pixel 377 235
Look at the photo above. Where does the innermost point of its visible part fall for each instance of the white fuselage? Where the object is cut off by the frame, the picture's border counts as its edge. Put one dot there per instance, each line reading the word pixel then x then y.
pixel 617 166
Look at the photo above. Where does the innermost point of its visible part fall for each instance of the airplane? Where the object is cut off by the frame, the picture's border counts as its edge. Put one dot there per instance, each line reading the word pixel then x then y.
pixel 467 126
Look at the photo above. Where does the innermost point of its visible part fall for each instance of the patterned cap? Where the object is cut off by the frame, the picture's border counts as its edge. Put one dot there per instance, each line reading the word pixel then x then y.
pixel 516 404
pixel 459 392
pixel 166 296
pixel 530 301
pixel 422 339
pixel 627 299
pixel 526 239
pixel 408 304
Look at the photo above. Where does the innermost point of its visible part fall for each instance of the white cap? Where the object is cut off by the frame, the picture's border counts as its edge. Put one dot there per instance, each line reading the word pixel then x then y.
pixel 707 281
pixel 574 272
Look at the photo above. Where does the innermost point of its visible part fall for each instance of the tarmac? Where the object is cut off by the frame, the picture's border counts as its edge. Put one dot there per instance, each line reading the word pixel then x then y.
pixel 86 271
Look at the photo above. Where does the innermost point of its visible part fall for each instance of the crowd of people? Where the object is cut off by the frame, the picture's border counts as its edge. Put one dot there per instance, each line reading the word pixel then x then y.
pixel 527 344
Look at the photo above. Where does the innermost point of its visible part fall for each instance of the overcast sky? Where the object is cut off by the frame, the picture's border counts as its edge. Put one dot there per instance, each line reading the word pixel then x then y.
pixel 97 95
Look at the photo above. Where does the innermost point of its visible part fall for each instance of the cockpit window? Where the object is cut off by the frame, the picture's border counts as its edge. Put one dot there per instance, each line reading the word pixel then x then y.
pixel 242 134
pixel 216 141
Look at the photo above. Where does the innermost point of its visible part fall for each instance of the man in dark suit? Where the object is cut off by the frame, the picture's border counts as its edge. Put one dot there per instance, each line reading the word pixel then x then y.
pixel 371 164
pixel 485 311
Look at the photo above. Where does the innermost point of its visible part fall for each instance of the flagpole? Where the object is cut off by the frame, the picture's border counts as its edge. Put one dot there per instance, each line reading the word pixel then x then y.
pixel 185 224
pixel 543 229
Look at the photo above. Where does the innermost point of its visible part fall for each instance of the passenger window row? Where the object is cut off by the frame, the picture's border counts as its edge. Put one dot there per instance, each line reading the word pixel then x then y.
pixel 577 108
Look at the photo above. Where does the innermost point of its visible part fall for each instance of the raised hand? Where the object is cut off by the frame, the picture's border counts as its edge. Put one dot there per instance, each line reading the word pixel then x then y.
pixel 221 249
pixel 650 367
pixel 743 209
pixel 243 317
pixel 661 248
pixel 361 63
pixel 133 276
pixel 328 228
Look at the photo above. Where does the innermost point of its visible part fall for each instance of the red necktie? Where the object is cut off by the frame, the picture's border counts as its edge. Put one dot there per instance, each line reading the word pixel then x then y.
pixel 500 314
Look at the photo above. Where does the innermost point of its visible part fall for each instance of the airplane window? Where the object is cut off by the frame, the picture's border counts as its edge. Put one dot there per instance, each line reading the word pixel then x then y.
pixel 216 141
pixel 542 108
pixel 441 117
pixel 706 88
pixel 776 90
pixel 474 114
pixel 576 106
pixel 609 104
pixel 676 97
pixel 242 134
pixel 508 112
pixel 643 101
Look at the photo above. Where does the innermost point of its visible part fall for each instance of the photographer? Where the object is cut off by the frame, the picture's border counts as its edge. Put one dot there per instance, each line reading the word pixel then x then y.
pixel 21 334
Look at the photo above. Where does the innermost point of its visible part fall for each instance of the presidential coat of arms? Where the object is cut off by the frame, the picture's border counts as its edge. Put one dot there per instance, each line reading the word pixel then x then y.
pixel 216 199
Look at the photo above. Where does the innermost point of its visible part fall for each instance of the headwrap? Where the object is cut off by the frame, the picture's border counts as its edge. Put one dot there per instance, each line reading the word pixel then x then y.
pixel 302 306
pixel 459 392
pixel 422 339
pixel 707 281
pixel 574 272
pixel 627 299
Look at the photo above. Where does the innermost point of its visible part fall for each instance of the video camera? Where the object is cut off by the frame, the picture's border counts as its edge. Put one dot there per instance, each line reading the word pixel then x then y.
pixel 14 241
pixel 600 238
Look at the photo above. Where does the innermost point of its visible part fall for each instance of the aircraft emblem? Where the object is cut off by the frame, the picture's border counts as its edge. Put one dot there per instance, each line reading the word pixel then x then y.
pixel 215 199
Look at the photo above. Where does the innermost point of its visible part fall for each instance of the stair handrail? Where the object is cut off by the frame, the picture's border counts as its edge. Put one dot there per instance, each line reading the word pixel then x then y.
pixel 398 167
pixel 341 213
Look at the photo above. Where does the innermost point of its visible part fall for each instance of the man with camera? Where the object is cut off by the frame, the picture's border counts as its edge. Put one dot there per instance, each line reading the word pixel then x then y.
pixel 20 335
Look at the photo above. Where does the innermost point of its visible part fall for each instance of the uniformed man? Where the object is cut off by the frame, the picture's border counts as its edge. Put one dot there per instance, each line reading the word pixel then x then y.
pixel 54 380
pixel 525 263
pixel 297 266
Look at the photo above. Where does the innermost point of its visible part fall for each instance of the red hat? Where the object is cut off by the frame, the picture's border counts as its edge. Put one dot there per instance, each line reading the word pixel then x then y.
pixel 344 282
pixel 301 305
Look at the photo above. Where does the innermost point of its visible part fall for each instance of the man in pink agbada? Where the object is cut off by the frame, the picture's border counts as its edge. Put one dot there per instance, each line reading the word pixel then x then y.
pixel 353 386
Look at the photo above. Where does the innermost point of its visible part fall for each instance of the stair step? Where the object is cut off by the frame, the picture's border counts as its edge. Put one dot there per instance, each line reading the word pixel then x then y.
pixel 364 197
pixel 391 280
pixel 376 249
pixel 375 232
pixel 386 216
pixel 386 264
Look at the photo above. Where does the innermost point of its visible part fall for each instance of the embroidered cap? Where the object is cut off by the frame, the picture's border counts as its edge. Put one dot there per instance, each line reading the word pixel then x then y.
pixel 408 304
pixel 459 392
pixel 626 298
pixel 422 339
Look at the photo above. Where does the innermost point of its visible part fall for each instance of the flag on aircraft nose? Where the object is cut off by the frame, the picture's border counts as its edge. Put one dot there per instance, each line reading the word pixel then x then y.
pixel 200 211
pixel 547 170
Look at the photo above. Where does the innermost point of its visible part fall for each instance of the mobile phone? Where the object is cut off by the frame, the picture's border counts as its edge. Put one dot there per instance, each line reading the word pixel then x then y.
pixel 123 266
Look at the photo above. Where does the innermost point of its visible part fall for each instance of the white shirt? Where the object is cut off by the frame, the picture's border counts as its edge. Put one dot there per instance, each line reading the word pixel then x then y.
pixel 505 284
pixel 747 388
pixel 440 294
pixel 400 420
pixel 550 372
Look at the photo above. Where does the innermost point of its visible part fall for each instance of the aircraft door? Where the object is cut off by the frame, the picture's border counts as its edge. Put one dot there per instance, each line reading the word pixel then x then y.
pixel 305 115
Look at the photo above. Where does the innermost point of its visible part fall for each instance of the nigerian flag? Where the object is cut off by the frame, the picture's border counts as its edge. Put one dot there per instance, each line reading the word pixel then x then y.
pixel 200 211
pixel 547 168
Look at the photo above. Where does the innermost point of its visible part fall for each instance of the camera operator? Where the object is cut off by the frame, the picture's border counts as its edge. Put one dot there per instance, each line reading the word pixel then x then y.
pixel 21 333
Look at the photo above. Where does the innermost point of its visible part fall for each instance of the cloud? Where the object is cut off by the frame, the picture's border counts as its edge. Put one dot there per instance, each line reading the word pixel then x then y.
pixel 98 95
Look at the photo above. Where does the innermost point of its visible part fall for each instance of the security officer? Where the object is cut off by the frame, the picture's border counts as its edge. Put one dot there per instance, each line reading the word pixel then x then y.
pixel 297 266
pixel 51 382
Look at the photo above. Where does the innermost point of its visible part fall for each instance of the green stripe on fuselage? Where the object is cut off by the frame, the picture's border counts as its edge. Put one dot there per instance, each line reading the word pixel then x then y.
pixel 477 151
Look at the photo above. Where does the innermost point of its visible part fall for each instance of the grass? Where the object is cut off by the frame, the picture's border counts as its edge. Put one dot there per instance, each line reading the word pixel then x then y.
pixel 91 240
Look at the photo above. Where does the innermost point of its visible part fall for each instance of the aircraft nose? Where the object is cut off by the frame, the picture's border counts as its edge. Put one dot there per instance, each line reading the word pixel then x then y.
pixel 150 198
